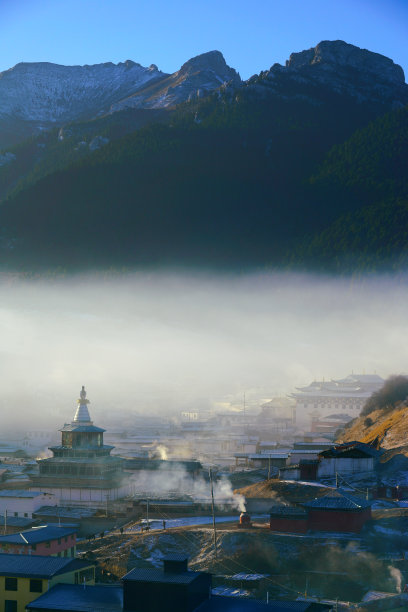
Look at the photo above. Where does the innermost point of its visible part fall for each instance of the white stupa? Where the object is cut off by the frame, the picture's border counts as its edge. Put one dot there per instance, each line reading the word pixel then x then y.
pixel 82 414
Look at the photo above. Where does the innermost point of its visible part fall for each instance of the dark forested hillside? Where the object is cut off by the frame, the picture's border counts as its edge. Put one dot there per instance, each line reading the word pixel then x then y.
pixel 367 178
pixel 276 172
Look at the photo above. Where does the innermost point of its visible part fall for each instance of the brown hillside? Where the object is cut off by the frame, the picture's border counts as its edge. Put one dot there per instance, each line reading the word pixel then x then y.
pixel 282 491
pixel 389 427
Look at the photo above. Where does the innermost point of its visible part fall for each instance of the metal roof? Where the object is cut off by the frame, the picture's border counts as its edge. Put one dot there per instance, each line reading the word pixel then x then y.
pixel 287 511
pixel 63 511
pixel 82 428
pixel 158 575
pixel 337 500
pixel 218 603
pixel 38 566
pixel 21 493
pixel 353 449
pixel 175 557
pixel 248 577
pixel 79 599
pixel 17 521
pixel 267 456
pixel 144 463
pixel 44 533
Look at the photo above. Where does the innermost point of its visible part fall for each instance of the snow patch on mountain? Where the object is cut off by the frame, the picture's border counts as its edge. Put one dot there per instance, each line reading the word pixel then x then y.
pixel 51 92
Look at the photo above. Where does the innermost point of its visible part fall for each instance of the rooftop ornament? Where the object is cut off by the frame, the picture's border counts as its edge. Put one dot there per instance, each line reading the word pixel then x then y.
pixel 82 413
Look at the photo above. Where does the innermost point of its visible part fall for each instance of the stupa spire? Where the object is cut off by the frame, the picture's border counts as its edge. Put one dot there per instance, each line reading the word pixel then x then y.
pixel 82 413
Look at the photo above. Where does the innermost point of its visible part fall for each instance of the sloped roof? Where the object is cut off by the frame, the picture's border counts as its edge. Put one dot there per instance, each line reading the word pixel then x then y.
pixel 92 598
pixel 38 534
pixel 353 449
pixel 218 603
pixel 159 575
pixel 338 500
pixel 38 566
pixel 20 493
pixel 82 428
pixel 289 511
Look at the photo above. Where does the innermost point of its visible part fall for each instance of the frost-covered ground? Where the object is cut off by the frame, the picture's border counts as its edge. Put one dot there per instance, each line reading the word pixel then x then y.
pixel 191 521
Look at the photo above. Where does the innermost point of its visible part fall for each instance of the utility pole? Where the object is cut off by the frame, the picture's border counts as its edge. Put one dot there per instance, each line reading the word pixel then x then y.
pixel 213 514
pixel 337 480
pixel 5 522
pixel 147 515
pixel 244 413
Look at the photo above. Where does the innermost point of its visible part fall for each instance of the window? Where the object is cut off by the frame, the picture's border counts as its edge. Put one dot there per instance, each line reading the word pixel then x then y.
pixel 25 514
pixel 33 546
pixel 11 584
pixel 16 514
pixel 47 545
pixel 10 605
pixel 35 586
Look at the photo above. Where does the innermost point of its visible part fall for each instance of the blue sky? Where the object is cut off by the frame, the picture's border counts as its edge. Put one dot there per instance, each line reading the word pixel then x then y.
pixel 251 35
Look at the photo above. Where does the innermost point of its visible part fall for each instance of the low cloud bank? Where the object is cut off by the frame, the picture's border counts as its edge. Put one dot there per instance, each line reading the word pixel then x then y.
pixel 162 343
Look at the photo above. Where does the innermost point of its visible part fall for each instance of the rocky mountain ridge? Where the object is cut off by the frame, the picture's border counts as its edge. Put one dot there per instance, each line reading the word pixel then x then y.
pixel 337 67
pixel 37 96
pixel 198 76
pixel 274 171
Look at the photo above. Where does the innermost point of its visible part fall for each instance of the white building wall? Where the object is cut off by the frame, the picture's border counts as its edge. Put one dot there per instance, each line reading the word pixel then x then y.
pixel 328 466
pixel 25 506
pixel 94 498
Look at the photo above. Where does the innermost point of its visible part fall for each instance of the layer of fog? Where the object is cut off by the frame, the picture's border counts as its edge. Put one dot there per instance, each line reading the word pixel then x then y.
pixel 162 343
pixel 177 482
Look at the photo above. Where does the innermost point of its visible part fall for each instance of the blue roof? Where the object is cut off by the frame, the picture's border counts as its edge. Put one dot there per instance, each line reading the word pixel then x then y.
pixel 337 500
pixel 241 604
pixel 82 428
pixel 64 512
pixel 18 521
pixel 37 566
pixel 43 533
pixel 19 493
pixel 158 575
pixel 79 599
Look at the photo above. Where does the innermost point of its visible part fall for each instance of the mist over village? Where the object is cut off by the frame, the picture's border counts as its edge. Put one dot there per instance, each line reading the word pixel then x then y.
pixel 203 320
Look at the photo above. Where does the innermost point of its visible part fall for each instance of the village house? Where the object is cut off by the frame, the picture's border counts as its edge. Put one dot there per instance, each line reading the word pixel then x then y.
pixel 23 578
pixel 338 511
pixel 173 587
pixel 341 460
pixel 47 540
pixel 23 503
pixel 348 458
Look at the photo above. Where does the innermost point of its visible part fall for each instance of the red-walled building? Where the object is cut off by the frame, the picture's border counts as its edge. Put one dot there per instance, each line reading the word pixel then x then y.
pixel 336 511
pixel 288 519
pixel 47 540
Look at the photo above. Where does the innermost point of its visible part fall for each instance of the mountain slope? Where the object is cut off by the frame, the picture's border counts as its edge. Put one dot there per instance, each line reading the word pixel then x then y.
pixel 384 417
pixel 366 178
pixel 37 96
pixel 229 181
